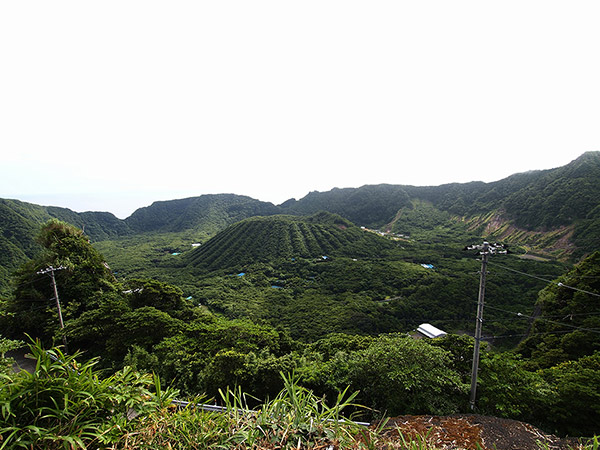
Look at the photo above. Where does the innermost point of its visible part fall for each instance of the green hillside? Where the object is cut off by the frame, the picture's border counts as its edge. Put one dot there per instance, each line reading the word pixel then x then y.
pixel 372 205
pixel 533 200
pixel 268 239
pixel 20 223
pixel 552 213
pixel 567 325
pixel 208 213
pixel 555 212
pixel 559 196
pixel 136 242
pixel 224 290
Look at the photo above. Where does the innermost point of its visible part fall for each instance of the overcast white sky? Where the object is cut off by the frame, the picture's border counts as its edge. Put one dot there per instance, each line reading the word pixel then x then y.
pixel 111 105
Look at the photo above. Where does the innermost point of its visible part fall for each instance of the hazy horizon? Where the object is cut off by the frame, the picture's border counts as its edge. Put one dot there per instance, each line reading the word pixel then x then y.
pixel 125 206
pixel 110 106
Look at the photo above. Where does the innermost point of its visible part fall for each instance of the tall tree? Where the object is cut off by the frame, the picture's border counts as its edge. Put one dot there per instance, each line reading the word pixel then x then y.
pixel 80 274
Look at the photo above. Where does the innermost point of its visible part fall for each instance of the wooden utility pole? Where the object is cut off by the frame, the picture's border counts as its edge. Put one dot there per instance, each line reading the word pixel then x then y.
pixel 486 250
pixel 478 323
pixel 51 270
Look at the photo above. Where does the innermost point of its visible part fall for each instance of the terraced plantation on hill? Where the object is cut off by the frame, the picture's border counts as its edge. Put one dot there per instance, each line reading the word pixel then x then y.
pixel 268 239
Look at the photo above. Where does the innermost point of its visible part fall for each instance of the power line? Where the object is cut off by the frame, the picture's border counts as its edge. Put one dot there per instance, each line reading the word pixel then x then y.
pixel 25 283
pixel 33 300
pixel 534 334
pixel 546 280
pixel 523 316
pixel 574 315
pixel 577 289
pixel 38 308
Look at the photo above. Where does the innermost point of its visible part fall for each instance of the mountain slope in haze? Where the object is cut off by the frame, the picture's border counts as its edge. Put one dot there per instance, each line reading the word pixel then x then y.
pixel 533 200
pixel 266 239
pixel 555 212
pixel 556 208
pixel 97 225
pixel 209 213
pixel 20 223
pixel 368 205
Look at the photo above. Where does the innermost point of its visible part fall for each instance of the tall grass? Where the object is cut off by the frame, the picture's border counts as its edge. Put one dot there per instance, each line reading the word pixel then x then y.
pixel 65 405
pixel 296 418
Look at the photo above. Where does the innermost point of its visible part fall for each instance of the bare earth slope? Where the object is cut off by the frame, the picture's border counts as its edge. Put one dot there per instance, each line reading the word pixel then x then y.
pixel 473 432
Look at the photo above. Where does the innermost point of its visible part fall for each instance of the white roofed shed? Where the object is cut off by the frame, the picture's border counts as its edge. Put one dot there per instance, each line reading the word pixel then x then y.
pixel 430 331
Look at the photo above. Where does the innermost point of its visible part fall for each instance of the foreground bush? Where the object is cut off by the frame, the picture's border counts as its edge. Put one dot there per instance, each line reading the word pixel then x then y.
pixel 295 419
pixel 63 405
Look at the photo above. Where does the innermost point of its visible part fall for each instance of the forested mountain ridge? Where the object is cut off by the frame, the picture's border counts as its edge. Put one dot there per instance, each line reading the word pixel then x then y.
pixel 368 205
pixel 18 215
pixel 20 222
pixel 254 296
pixel 209 213
pixel 555 212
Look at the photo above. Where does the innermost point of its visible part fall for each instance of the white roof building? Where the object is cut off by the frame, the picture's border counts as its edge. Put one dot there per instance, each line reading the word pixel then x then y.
pixel 430 331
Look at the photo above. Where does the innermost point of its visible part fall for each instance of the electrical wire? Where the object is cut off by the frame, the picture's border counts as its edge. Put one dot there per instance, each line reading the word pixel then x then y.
pixel 523 316
pixel 29 282
pixel 595 294
pixel 38 308
pixel 531 334
pixel 31 300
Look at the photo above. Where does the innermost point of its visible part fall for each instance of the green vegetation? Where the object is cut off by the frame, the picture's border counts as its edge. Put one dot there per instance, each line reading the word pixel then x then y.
pixel 245 332
pixel 567 327
pixel 277 238
pixel 207 213
pixel 220 296
pixel 555 211
pixel 6 362
pixel 64 403
pixel 80 271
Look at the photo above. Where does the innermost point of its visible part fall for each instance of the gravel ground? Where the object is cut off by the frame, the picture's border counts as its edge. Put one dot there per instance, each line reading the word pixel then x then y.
pixel 21 361
pixel 473 432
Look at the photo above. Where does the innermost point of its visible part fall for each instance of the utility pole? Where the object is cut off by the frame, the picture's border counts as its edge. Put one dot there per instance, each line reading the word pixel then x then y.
pixel 486 250
pixel 60 318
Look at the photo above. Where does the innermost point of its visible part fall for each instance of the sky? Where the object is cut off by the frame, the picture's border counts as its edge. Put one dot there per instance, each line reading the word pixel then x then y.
pixel 111 105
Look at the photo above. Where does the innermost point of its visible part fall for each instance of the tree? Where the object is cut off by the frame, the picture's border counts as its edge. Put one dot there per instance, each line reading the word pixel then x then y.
pixel 156 294
pixel 82 280
pixel 401 375
pixel 575 409
pixel 570 312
